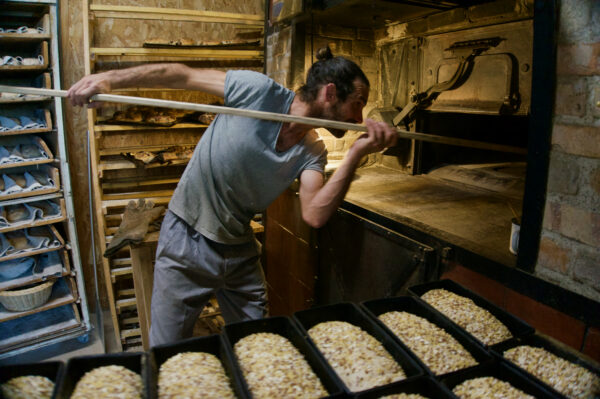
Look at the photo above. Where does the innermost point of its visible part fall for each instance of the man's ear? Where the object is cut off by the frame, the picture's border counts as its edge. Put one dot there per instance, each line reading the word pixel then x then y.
pixel 330 92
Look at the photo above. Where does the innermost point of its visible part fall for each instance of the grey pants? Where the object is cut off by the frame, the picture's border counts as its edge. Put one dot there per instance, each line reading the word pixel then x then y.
pixel 189 268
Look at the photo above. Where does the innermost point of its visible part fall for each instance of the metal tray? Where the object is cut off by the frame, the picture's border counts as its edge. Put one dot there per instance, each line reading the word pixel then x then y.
pixel 283 326
pixel 516 326
pixel 425 386
pixel 376 307
pixel 78 366
pixel 213 344
pixel 538 341
pixel 500 370
pixel 50 370
pixel 350 313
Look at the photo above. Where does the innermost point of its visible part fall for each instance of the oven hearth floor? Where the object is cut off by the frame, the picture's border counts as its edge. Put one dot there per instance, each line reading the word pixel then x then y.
pixel 468 217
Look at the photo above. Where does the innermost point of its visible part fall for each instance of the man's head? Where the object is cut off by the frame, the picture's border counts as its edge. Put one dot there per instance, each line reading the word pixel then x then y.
pixel 337 88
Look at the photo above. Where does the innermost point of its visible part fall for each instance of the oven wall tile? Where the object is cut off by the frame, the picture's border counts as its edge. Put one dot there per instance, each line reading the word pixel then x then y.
pixel 591 346
pixel 490 289
pixel 546 320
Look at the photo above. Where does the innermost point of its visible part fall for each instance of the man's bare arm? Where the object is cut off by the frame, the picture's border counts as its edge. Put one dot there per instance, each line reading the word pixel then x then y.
pixel 172 76
pixel 318 200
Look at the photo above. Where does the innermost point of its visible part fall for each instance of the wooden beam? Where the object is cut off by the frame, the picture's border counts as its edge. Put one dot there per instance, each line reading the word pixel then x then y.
pixel 191 54
pixel 137 184
pixel 141 194
pixel 174 14
pixel 109 278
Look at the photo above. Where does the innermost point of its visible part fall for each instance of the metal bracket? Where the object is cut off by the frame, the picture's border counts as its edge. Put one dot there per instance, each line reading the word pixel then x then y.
pixel 467 50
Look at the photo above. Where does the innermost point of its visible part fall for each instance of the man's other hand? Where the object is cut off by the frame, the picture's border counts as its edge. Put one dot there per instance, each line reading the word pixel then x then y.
pixel 378 137
pixel 80 93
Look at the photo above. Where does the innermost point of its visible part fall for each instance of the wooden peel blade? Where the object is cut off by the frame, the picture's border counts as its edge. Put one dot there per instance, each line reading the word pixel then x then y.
pixel 270 116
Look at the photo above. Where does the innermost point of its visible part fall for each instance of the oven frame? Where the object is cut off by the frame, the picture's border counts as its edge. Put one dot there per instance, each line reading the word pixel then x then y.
pixel 543 90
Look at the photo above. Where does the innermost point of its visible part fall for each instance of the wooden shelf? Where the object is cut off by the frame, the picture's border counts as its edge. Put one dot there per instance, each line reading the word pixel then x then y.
pixel 40 144
pixel 132 332
pixel 43 22
pixel 62 294
pixel 37 251
pixel 125 164
pixel 125 303
pixel 120 271
pixel 28 98
pixel 48 127
pixel 181 54
pixel 27 163
pixel 23 37
pixel 149 148
pixel 175 14
pixel 27 280
pixel 122 203
pixel 30 199
pixel 41 222
pixel 118 178
pixel 55 175
pixel 42 67
pixel 127 128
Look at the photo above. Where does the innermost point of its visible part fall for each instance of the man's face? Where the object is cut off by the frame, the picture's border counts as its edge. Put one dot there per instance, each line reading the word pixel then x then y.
pixel 351 109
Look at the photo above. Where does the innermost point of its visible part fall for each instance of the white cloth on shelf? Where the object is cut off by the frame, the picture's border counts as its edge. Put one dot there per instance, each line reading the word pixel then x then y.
pixel 32 183
pixel 49 264
pixel 10 186
pixel 5 245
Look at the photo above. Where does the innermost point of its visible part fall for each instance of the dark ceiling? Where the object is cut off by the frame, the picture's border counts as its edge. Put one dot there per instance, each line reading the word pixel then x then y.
pixel 377 13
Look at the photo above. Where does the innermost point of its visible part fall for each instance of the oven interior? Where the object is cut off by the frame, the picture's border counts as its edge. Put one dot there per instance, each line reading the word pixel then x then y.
pixel 471 89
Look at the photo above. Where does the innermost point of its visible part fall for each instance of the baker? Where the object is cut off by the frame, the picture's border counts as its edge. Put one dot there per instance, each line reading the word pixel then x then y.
pixel 238 168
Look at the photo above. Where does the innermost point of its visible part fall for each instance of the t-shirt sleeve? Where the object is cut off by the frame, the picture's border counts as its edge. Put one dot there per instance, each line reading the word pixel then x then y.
pixel 251 90
pixel 317 157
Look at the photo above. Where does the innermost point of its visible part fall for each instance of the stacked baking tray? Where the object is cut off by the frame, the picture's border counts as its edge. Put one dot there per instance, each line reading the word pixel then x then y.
pixel 420 378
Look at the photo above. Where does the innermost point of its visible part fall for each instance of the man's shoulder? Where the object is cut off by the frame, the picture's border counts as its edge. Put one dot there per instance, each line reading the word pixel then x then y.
pixel 315 143
pixel 250 78
pixel 244 88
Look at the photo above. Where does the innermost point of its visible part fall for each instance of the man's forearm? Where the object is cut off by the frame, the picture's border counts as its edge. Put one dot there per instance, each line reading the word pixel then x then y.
pixel 329 197
pixel 174 76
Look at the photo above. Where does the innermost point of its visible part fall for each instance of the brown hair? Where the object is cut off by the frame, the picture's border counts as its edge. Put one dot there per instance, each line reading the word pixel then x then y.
pixel 329 69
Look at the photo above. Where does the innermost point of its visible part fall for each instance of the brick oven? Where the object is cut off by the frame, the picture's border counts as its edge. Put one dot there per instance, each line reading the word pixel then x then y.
pixel 478 80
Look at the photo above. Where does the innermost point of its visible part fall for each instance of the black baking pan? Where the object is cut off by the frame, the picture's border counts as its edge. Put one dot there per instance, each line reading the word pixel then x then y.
pixel 541 342
pixel 51 370
pixel 377 307
pixel 78 366
pixel 350 313
pixel 500 370
pixel 424 385
pixel 283 326
pixel 213 344
pixel 516 326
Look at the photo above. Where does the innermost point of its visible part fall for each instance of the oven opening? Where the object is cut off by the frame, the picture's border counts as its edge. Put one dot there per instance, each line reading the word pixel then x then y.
pixel 467 93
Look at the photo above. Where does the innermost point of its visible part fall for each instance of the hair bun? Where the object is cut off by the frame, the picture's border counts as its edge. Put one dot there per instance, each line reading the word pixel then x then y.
pixel 324 53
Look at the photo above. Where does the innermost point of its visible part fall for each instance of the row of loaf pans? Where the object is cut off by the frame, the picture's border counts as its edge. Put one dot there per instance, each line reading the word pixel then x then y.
pixel 419 378
pixel 148 364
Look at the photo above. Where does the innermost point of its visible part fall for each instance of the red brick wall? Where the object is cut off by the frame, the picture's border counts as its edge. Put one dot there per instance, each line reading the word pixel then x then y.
pixel 570 242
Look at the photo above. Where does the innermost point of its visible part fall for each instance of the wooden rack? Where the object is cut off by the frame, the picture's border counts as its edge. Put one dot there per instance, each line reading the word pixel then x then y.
pixel 65 315
pixel 116 180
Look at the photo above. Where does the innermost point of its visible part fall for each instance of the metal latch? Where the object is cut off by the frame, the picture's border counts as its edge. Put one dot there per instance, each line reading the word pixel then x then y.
pixel 467 51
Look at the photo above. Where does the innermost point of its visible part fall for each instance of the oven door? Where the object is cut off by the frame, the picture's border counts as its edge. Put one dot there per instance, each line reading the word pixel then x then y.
pixel 360 260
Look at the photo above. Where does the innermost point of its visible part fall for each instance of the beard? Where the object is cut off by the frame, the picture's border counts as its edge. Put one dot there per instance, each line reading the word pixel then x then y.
pixel 334 114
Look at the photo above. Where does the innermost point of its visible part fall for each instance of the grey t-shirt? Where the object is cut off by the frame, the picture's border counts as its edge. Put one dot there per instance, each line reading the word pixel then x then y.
pixel 236 171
